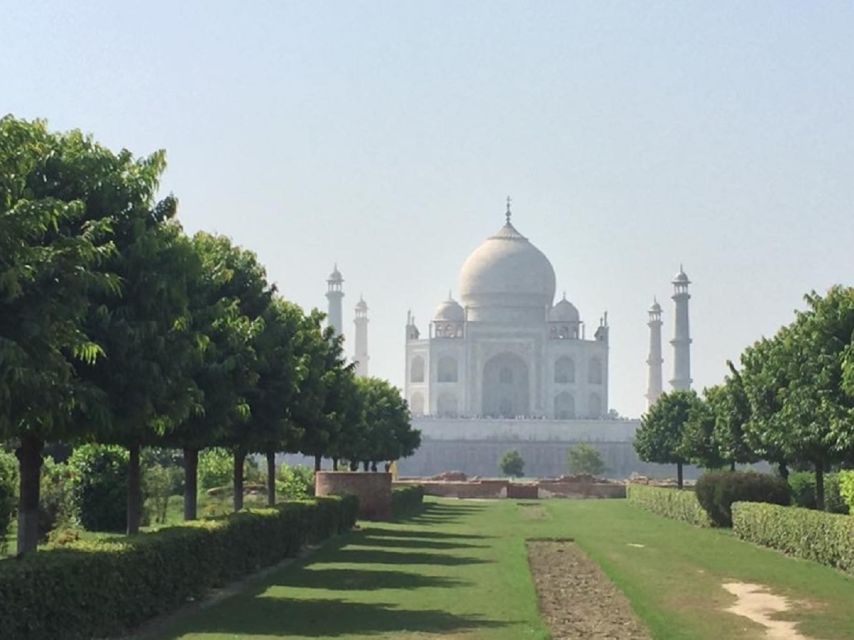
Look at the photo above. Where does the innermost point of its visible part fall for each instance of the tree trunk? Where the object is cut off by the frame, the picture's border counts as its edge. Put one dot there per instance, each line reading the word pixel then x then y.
pixel 335 464
pixel 317 459
pixel 732 466
pixel 374 466
pixel 239 457
pixel 134 510
pixel 30 462
pixel 365 464
pixel 819 486
pixel 679 474
pixel 191 483
pixel 354 465
pixel 271 478
pixel 783 470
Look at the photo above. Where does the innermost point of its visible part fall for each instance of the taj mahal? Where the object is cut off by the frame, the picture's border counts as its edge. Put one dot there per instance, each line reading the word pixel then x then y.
pixel 506 350
pixel 507 367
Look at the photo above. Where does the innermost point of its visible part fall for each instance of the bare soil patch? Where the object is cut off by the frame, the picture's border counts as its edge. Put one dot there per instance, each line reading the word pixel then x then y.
pixel 757 603
pixel 577 600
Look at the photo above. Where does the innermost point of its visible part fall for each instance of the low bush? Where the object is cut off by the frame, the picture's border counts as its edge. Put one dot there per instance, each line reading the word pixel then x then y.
pixel 104 588
pixel 56 505
pixel 803 491
pixel 405 500
pixel 678 504
pixel 295 482
pixel 99 490
pixel 846 489
pixel 8 491
pixel 827 538
pixel 718 490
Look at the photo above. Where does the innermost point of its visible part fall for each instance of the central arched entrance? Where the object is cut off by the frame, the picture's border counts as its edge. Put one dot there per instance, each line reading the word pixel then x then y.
pixel 506 392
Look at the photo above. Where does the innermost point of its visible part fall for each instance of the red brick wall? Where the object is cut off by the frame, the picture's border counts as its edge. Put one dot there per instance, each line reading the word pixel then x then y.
pixel 523 491
pixel 372 489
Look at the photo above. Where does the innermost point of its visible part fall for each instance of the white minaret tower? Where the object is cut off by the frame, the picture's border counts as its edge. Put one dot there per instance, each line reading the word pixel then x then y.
pixel 335 295
pixel 361 321
pixel 681 334
pixel 654 361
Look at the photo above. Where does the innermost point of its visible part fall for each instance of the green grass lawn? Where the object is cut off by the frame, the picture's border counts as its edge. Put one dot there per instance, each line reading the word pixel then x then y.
pixel 458 570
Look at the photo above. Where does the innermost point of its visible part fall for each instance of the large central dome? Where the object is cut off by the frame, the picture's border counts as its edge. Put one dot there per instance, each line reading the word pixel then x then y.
pixel 507 272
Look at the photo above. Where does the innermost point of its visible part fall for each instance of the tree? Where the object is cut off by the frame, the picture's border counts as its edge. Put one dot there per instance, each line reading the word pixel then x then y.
pixel 796 382
pixel 699 443
pixel 583 458
pixel 659 437
pixel 731 407
pixel 512 464
pixel 55 239
pixel 147 332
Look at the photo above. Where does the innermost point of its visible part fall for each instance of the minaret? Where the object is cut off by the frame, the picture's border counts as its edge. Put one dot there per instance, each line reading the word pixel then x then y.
pixel 681 334
pixel 335 295
pixel 655 384
pixel 361 321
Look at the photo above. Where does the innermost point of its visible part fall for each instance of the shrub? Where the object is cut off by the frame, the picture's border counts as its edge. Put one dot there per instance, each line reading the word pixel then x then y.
pixel 827 538
pixel 405 500
pixel 56 505
pixel 99 490
pixel 295 482
pixel 584 458
pixel 846 489
pixel 678 504
pixel 8 491
pixel 104 588
pixel 512 464
pixel 802 484
pixel 717 490
pixel 215 468
pixel 158 484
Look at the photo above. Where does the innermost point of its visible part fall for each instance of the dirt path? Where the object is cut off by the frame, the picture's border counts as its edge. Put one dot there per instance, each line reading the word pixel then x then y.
pixel 758 604
pixel 577 600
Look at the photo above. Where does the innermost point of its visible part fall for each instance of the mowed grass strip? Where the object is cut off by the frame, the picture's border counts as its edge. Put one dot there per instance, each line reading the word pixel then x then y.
pixel 458 571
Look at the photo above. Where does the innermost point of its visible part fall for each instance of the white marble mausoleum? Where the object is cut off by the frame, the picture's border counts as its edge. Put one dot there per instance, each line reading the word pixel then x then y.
pixel 506 349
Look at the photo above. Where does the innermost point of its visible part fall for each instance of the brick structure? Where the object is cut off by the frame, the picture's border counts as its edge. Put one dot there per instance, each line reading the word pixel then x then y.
pixel 372 489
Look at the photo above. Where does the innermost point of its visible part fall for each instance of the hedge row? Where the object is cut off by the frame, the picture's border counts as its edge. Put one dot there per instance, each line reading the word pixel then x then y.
pixel 105 587
pixel 827 538
pixel 406 499
pixel 670 503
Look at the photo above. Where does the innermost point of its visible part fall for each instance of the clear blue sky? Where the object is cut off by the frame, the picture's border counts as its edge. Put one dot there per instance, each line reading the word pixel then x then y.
pixel 632 136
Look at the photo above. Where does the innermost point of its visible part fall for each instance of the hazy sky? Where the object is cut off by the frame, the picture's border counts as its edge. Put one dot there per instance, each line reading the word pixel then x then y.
pixel 385 136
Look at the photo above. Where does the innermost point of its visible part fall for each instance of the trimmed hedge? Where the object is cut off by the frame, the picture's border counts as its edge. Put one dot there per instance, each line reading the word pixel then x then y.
pixel 718 490
pixel 406 499
pixel 106 587
pixel 670 503
pixel 827 538
pixel 803 491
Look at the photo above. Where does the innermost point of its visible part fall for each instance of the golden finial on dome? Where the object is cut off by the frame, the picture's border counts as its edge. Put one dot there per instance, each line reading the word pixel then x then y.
pixel 507 214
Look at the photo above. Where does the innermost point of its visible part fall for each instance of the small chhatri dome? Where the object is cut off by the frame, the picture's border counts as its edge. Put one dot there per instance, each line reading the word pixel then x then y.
pixel 450 311
pixel 361 305
pixel 681 277
pixel 335 276
pixel 564 311
pixel 655 308
pixel 506 270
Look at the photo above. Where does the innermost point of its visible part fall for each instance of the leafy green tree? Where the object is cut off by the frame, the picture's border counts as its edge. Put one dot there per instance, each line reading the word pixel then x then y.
pixel 386 433
pixel 659 438
pixel 731 408
pixel 700 443
pixel 8 483
pixel 796 384
pixel 225 369
pixel 584 458
pixel 147 332
pixel 321 357
pixel 55 238
pixel 512 464
pixel 273 397
pixel 215 467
